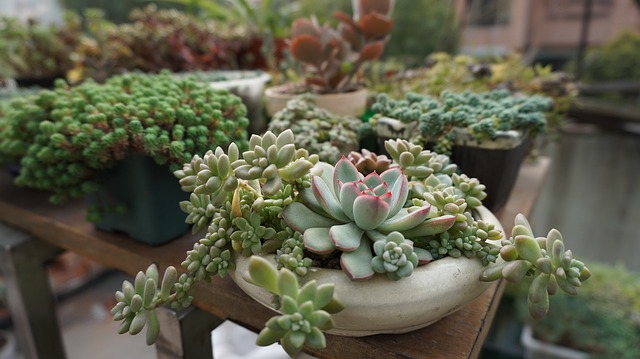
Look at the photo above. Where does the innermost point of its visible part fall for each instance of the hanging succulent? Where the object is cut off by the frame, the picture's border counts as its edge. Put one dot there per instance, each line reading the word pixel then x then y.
pixel 65 136
pixel 277 199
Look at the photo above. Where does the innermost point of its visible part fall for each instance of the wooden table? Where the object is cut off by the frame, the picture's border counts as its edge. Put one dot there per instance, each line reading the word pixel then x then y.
pixel 459 335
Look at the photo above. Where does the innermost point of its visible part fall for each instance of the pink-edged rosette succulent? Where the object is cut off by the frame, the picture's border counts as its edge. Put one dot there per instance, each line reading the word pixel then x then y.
pixel 346 211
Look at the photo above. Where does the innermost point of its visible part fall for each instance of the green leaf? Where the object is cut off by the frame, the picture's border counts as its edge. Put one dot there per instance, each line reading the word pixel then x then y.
pixel 168 280
pixel 263 274
pixel 153 327
pixel 346 237
pixel 357 264
pixel 300 217
pixel 324 295
pixel 527 247
pixel 269 336
pixel 138 322
pixel 538 298
pixel 152 272
pixel 316 339
pixel 318 240
pixel 308 292
pixel 288 284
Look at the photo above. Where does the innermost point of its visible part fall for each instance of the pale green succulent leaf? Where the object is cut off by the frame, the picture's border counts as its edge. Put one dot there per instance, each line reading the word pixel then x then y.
pixel 515 271
pixel 269 336
pixel 348 194
pixel 153 327
pixel 357 264
pixel 307 292
pixel 431 226
pixel 301 218
pixel 344 172
pixel 263 274
pixel 538 298
pixel 369 211
pixel 404 220
pixel 323 295
pixel 315 339
pixel 399 188
pixel 327 199
pixel 292 343
pixel 318 240
pixel 527 247
pixel 287 284
pixel 424 256
pixel 346 237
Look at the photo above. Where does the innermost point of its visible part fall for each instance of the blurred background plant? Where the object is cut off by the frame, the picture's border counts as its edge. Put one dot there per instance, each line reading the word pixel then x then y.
pixel 317 130
pixel 604 320
pixel 31 51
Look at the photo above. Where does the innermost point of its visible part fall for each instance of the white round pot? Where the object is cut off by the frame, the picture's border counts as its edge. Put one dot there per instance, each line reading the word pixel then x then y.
pixel 10 349
pixel 346 104
pixel 382 306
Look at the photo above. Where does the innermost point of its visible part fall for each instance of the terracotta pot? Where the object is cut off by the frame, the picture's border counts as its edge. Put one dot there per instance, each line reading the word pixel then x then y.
pixel 346 103
pixel 381 306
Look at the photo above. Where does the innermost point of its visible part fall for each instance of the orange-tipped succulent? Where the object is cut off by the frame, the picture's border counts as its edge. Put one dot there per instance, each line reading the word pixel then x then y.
pixel 333 56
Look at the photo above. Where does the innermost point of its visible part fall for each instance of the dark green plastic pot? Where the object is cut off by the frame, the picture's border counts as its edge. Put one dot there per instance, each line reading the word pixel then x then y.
pixel 149 194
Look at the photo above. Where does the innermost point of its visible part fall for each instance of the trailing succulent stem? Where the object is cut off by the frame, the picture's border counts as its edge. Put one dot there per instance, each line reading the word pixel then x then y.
pixel 543 259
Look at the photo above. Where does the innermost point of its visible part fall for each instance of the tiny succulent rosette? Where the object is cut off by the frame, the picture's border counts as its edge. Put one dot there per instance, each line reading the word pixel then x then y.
pixel 399 215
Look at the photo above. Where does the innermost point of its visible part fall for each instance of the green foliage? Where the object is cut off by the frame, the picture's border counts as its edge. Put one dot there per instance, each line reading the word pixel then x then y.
pixel 603 321
pixel 615 60
pixel 461 73
pixel 319 131
pixel 276 198
pixel 35 50
pixel 482 115
pixel 306 310
pixel 65 136
pixel 412 20
pixel 542 258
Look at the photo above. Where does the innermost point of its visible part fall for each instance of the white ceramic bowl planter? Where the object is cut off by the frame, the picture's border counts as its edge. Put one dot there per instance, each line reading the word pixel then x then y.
pixel 379 305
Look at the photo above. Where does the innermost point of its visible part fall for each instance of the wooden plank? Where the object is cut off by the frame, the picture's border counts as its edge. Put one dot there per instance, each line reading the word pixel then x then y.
pixel 458 335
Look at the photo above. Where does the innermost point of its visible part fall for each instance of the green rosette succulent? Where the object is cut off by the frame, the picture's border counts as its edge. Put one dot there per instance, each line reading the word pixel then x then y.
pixel 345 211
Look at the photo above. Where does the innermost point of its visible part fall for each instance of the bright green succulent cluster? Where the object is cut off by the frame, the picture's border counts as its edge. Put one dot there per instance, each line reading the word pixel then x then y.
pixel 316 129
pixel 545 259
pixel 483 114
pixel 276 199
pixel 306 310
pixel 64 136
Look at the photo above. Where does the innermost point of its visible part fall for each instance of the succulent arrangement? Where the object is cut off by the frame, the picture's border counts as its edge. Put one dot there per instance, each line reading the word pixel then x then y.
pixel 64 137
pixel 481 115
pixel 333 57
pixel 319 131
pixel 278 199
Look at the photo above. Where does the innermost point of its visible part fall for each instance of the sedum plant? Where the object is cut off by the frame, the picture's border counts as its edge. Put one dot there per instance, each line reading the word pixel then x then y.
pixel 316 129
pixel 482 115
pixel 63 138
pixel 277 199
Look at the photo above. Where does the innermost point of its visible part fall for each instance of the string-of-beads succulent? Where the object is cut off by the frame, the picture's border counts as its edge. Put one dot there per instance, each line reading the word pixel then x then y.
pixel 70 133
pixel 319 131
pixel 483 115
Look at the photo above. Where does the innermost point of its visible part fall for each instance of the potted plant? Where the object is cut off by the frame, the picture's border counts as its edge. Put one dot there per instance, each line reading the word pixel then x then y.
pixel 344 236
pixel 316 129
pixel 602 323
pixel 332 58
pixel 248 84
pixel 36 54
pixel 487 134
pixel 116 142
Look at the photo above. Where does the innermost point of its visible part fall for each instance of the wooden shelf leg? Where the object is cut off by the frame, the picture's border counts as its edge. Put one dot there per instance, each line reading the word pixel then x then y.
pixel 31 301
pixel 185 334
